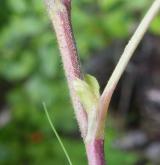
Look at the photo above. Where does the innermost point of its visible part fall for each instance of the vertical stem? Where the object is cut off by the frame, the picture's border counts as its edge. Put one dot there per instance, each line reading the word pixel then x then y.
pixel 59 11
pixel 95 152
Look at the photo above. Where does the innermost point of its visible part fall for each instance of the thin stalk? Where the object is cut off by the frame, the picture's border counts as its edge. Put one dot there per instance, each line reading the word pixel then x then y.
pixel 120 67
pixel 57 136
pixel 59 11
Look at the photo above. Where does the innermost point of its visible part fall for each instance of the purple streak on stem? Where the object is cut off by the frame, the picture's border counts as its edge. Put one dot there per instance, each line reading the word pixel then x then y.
pixel 60 17
pixel 95 152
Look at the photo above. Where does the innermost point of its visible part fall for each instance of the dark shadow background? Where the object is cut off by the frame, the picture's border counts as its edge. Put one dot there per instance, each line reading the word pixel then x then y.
pixel 31 73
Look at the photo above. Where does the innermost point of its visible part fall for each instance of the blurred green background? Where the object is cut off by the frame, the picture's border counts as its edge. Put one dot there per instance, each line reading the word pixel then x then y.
pixel 31 72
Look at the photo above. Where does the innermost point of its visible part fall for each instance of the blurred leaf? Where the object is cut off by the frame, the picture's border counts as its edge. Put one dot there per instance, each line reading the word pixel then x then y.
pixel 49 60
pixel 155 25
pixel 19 69
pixel 18 6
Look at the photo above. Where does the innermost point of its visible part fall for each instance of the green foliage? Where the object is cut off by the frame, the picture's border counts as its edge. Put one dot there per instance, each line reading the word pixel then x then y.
pixel 30 65
pixel 96 23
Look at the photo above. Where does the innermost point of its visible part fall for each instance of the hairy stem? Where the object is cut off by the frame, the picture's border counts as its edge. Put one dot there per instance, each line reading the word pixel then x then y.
pixel 59 11
pixel 95 152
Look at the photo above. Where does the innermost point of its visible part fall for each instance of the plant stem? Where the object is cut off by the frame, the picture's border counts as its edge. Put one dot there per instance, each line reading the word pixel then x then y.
pixel 120 67
pixel 95 152
pixel 59 11
pixel 132 44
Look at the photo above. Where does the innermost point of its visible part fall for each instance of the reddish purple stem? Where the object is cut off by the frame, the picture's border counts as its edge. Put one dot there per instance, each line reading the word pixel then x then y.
pixel 95 152
pixel 60 17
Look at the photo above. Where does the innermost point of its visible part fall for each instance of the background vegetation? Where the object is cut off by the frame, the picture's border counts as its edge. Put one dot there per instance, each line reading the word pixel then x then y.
pixel 31 73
